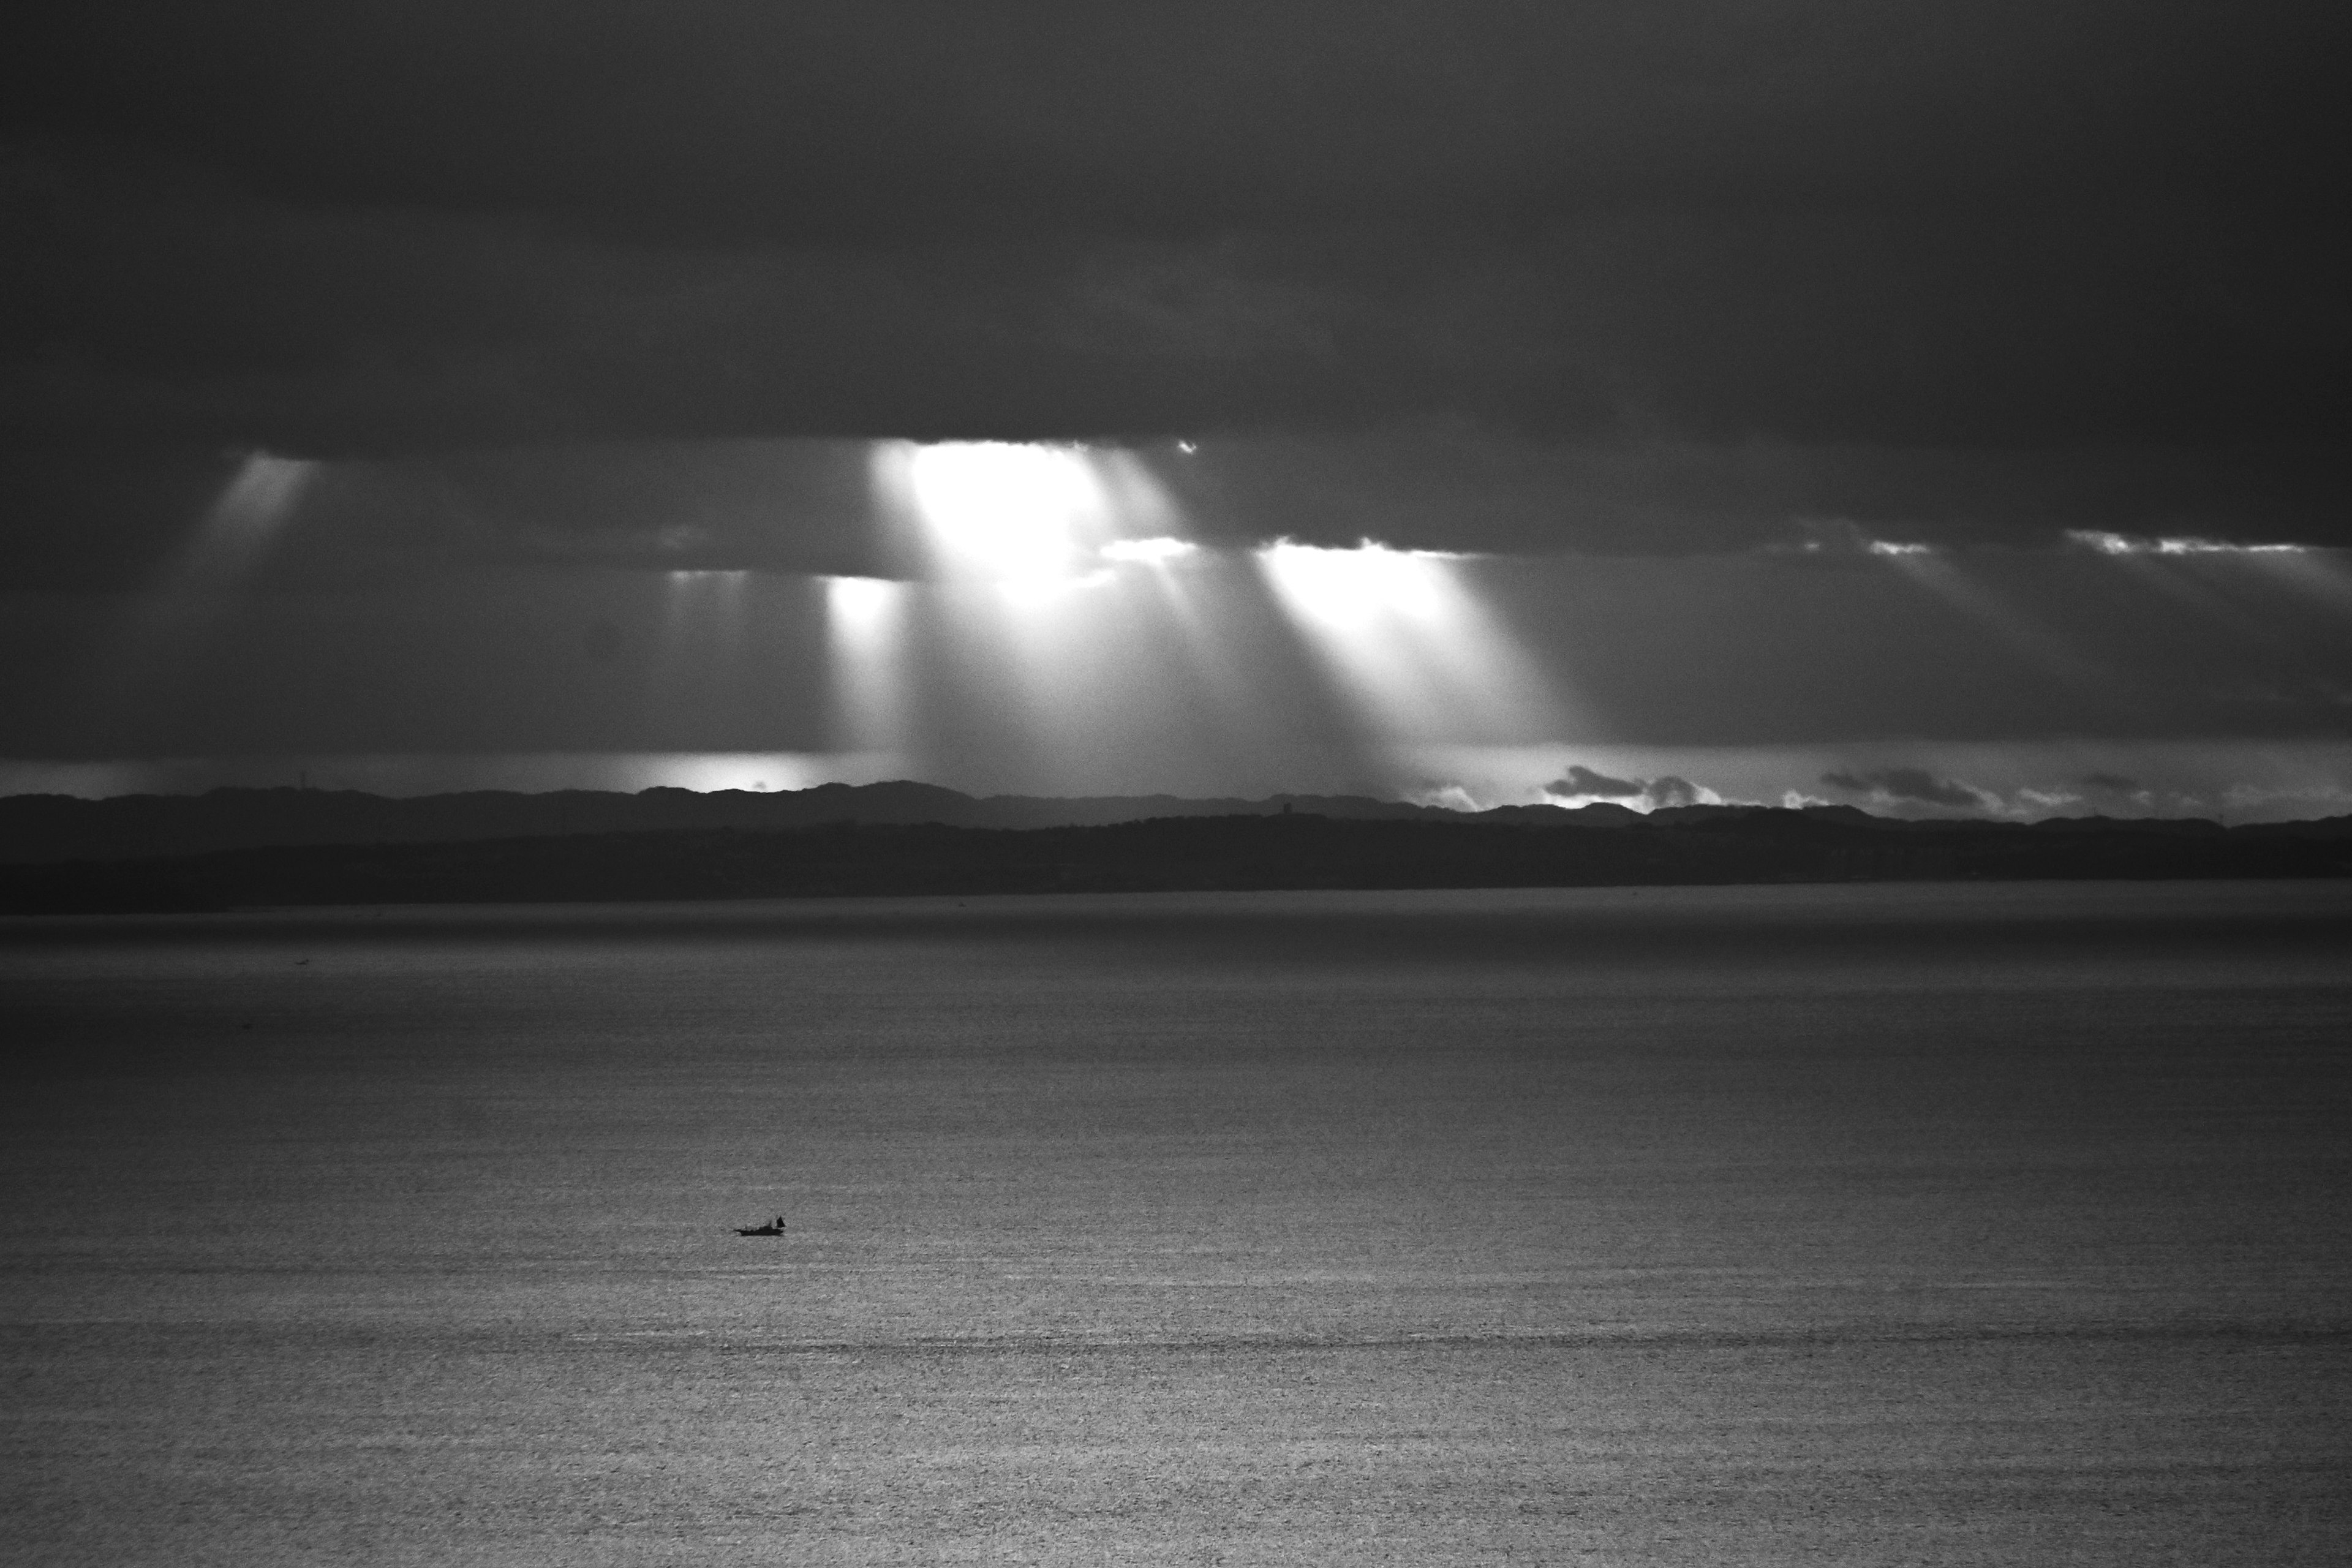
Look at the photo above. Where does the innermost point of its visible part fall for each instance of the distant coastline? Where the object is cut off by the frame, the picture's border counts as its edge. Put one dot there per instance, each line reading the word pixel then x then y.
pixel 246 848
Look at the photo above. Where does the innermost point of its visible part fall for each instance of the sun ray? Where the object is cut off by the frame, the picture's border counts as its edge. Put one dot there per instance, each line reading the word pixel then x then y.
pixel 1938 576
pixel 2322 575
pixel 995 510
pixel 1408 642
pixel 867 655
pixel 240 528
pixel 1032 553
pixel 703 616
pixel 161 628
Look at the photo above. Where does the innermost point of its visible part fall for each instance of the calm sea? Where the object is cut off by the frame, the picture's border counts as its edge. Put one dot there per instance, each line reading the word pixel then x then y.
pixel 1861 1225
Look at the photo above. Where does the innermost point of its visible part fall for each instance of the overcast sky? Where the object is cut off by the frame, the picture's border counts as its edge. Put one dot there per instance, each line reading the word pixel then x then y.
pixel 1680 308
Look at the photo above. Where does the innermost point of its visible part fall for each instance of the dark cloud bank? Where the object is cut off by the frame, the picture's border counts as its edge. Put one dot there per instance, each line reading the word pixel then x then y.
pixel 1913 784
pixel 1581 783
pixel 1666 277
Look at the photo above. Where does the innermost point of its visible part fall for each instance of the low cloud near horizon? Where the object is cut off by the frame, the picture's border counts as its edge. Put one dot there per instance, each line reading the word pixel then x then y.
pixel 1580 782
pixel 1908 784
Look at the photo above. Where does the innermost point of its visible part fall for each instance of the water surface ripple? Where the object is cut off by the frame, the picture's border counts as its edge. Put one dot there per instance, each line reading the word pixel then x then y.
pixel 1748 1226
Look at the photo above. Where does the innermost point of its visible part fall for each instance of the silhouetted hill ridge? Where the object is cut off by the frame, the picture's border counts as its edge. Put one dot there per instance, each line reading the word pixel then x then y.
pixel 43 828
pixel 47 827
pixel 1251 851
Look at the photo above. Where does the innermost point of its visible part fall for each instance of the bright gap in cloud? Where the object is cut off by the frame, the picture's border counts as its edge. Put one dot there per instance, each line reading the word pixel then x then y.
pixel 2108 543
pixel 1005 510
pixel 1026 513
pixel 1149 551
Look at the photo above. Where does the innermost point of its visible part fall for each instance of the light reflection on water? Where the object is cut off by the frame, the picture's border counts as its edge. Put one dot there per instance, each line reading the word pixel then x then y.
pixel 1742 1224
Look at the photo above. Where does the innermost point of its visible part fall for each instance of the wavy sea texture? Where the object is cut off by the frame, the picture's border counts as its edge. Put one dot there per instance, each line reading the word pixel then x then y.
pixel 1829 1225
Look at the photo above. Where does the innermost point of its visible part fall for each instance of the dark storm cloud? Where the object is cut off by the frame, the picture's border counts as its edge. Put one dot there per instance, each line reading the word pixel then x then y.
pixel 1453 487
pixel 1664 791
pixel 1501 275
pixel 1669 789
pixel 1907 784
pixel 88 514
pixel 819 124
pixel 111 518
pixel 1581 780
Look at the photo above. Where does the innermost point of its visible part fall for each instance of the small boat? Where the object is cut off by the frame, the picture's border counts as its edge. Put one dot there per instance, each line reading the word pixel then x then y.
pixel 773 1228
